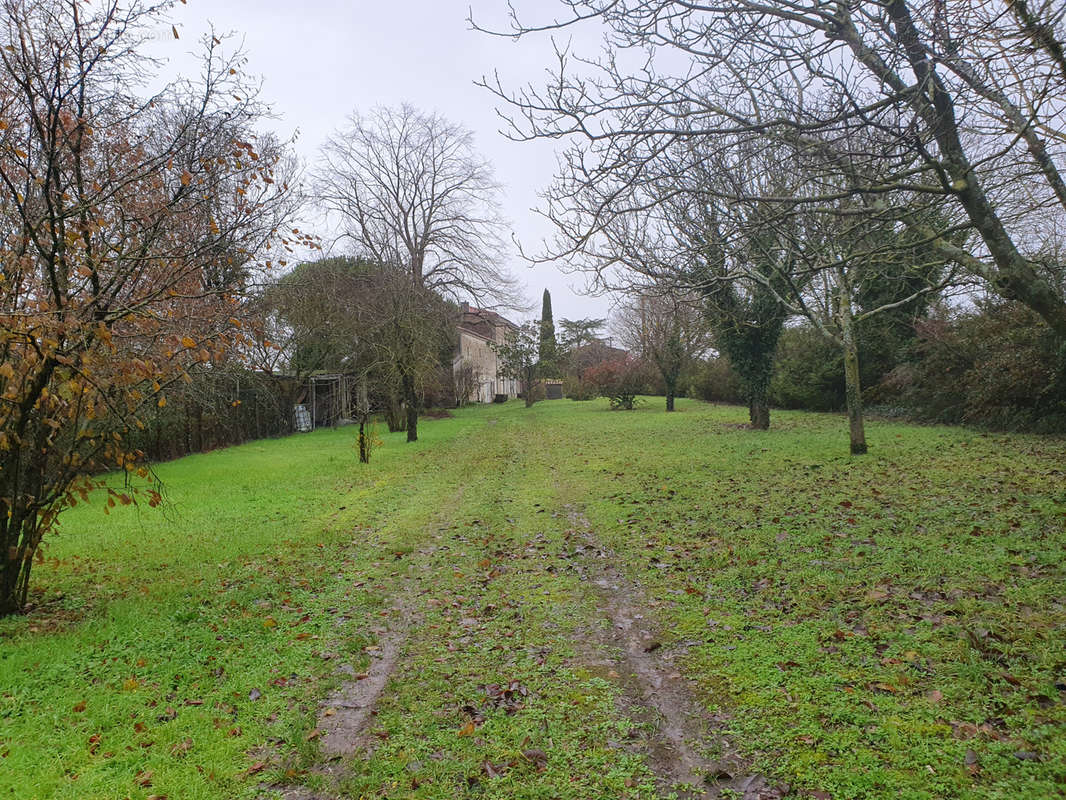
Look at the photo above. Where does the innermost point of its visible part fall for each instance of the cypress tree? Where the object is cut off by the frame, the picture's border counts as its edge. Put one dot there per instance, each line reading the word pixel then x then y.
pixel 548 347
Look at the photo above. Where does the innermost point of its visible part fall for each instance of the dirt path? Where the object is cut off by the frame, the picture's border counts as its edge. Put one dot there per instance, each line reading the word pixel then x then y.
pixel 683 743
pixel 346 713
pixel 468 583
pixel 345 716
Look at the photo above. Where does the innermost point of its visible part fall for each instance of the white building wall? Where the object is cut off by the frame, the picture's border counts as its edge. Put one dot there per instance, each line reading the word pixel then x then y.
pixel 476 351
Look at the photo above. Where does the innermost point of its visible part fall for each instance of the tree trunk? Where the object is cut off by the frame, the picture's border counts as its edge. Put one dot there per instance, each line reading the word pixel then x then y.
pixel 393 413
pixel 852 386
pixel 362 397
pixel 364 445
pixel 410 397
pixel 1013 275
pixel 671 391
pixel 15 564
pixel 759 413
pixel 9 578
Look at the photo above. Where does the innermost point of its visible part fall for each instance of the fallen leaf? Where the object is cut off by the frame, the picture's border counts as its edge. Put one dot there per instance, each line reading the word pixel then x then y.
pixel 537 757
pixel 493 770
pixel 181 748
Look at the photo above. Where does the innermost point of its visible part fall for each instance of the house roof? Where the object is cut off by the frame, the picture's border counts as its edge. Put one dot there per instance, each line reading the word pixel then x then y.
pixel 483 323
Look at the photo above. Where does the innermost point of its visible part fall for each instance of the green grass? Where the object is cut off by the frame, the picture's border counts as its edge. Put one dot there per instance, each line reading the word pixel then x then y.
pixel 891 625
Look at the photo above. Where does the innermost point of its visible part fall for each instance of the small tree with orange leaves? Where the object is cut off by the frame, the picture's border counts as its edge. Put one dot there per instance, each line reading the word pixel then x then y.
pixel 128 229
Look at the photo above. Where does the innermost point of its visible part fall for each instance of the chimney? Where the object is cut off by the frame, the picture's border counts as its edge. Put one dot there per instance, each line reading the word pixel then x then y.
pixel 464 307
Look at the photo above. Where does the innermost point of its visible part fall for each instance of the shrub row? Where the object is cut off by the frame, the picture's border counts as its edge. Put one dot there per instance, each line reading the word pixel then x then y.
pixel 996 365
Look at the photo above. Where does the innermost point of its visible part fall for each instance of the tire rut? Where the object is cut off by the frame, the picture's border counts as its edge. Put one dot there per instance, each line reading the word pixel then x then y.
pixel 345 715
pixel 684 744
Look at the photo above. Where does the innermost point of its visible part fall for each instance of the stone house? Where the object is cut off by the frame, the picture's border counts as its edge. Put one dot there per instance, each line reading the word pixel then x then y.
pixel 477 328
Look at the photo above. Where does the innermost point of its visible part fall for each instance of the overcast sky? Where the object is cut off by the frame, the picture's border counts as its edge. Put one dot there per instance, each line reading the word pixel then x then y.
pixel 321 59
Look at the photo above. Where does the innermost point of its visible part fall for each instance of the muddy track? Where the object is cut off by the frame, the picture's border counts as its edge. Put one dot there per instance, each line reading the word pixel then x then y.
pixel 345 715
pixel 684 744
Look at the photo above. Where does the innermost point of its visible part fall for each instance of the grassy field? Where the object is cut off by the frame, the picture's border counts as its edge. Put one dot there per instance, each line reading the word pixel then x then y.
pixel 886 626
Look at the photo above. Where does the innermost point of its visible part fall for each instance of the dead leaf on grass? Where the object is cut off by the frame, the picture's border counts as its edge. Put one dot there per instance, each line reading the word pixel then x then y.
pixel 537 757
pixel 493 770
pixel 181 748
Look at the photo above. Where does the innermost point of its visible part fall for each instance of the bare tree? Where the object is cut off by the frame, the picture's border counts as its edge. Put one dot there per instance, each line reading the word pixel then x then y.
pixel 465 380
pixel 761 233
pixel 130 225
pixel 415 337
pixel 409 189
pixel 666 328
pixel 848 283
pixel 965 102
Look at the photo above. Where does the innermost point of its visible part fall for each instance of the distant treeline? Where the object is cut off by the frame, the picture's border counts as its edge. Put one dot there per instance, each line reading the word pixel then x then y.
pixel 996 365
